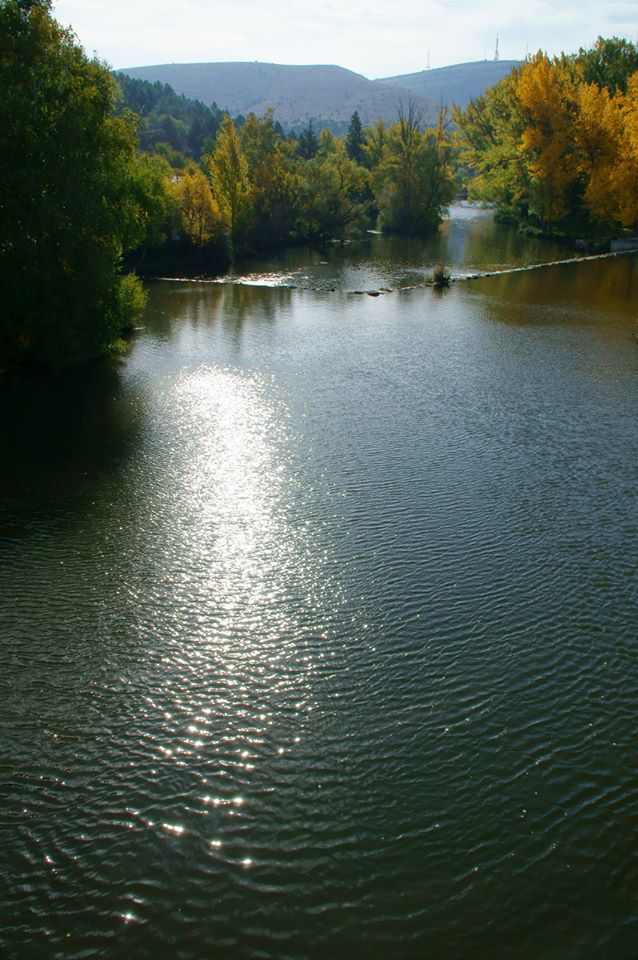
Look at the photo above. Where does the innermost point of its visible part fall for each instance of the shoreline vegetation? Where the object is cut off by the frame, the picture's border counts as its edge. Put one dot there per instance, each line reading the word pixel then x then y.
pixel 118 178
pixel 554 144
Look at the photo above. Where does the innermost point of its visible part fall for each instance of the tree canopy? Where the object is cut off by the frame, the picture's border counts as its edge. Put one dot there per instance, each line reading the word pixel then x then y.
pixel 74 195
pixel 555 143
pixel 413 178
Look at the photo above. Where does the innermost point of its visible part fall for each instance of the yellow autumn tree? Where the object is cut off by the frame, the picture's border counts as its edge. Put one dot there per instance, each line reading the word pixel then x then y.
pixel 608 152
pixel 231 188
pixel 199 216
pixel 628 207
pixel 548 101
pixel 599 140
pixel 555 143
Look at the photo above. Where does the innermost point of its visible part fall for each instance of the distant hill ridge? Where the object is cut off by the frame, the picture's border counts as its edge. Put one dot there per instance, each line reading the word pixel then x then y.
pixel 326 94
pixel 458 83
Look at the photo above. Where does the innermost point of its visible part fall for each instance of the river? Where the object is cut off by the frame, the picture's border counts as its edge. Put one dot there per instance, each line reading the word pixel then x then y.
pixel 318 617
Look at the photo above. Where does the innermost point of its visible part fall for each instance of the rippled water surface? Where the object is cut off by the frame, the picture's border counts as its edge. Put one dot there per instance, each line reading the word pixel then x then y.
pixel 318 628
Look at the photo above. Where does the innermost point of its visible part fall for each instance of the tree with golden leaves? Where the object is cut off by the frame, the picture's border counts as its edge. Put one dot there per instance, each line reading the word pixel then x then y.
pixel 555 143
pixel 548 102
pixel 199 216
pixel 231 188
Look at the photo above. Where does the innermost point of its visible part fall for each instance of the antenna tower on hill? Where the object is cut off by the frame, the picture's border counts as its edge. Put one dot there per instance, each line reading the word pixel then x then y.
pixel 496 51
pixel 428 66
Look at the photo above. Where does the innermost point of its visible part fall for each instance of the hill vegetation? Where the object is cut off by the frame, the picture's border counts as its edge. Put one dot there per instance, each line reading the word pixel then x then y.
pixel 327 95
pixel 168 123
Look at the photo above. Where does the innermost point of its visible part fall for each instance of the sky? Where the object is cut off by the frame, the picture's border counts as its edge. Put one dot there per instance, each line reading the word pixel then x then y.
pixel 377 38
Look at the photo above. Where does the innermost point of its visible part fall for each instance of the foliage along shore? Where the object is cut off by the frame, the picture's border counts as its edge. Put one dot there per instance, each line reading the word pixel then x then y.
pixel 84 200
pixel 554 144
pixel 176 186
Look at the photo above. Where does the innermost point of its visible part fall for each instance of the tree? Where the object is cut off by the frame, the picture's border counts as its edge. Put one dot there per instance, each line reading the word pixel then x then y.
pixel 334 195
pixel 414 183
pixel 273 181
pixel 327 143
pixel 553 143
pixel 199 215
pixel 547 100
pixel 67 210
pixel 374 143
pixel 228 168
pixel 308 143
pixel 608 152
pixel 490 130
pixel 609 64
pixel 354 140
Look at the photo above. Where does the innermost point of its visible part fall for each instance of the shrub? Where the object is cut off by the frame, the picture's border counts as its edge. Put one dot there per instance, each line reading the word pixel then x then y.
pixel 441 276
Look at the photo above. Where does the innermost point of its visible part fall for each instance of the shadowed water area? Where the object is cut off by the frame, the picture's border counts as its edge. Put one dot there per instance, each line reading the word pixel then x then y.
pixel 318 620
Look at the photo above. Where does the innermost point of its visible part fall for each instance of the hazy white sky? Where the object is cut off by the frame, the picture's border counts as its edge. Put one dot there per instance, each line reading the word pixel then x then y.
pixel 377 37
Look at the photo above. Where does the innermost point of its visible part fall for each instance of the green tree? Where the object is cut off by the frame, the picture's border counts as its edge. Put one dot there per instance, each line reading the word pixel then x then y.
pixel 609 63
pixel 354 140
pixel 273 180
pixel 308 143
pixel 334 196
pixel 414 182
pixel 375 138
pixel 153 202
pixel 490 132
pixel 67 207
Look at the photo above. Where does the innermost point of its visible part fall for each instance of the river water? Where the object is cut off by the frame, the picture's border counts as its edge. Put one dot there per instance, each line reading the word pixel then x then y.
pixel 318 618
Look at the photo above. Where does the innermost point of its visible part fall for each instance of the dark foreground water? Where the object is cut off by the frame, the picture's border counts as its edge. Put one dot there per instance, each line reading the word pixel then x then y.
pixel 318 623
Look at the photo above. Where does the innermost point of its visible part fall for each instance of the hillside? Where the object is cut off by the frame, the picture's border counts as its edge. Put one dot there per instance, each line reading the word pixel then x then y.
pixel 458 83
pixel 326 94
pixel 168 118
